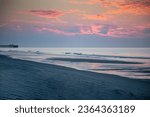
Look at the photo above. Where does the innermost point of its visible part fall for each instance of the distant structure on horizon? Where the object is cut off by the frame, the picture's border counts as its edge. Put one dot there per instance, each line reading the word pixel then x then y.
pixel 9 46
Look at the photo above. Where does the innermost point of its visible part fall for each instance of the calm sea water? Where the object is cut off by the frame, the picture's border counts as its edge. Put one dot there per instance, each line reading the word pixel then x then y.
pixel 44 55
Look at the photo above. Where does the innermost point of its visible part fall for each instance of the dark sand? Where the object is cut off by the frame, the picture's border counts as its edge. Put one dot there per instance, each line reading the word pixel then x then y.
pixel 21 79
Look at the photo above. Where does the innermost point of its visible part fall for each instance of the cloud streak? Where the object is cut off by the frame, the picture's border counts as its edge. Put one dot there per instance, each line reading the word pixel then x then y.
pixel 50 13
pixel 96 17
pixel 46 13
pixel 56 31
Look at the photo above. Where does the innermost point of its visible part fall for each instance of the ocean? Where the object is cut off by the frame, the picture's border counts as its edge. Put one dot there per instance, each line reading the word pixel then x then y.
pixel 127 62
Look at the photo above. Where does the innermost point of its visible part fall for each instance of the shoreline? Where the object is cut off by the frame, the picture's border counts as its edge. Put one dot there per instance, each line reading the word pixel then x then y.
pixel 93 60
pixel 22 79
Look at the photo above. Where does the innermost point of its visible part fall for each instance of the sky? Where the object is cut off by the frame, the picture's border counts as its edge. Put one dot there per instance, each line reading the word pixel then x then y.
pixel 75 23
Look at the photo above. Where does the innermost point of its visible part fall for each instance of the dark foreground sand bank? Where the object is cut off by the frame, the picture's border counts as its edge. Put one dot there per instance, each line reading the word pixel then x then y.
pixel 21 79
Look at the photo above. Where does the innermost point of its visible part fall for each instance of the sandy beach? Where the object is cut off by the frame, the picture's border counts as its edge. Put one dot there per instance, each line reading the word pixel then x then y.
pixel 20 79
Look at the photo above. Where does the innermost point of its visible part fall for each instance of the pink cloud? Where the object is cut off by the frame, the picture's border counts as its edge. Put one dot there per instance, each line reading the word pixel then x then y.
pixel 115 31
pixel 143 26
pixel 92 30
pixel 80 30
pixel 47 13
pixel 133 31
pixel 72 11
pixel 90 2
pixel 96 17
pixel 129 9
pixel 140 7
pixel 57 31
pixel 118 31
pixel 121 32
pixel 39 23
pixel 100 30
